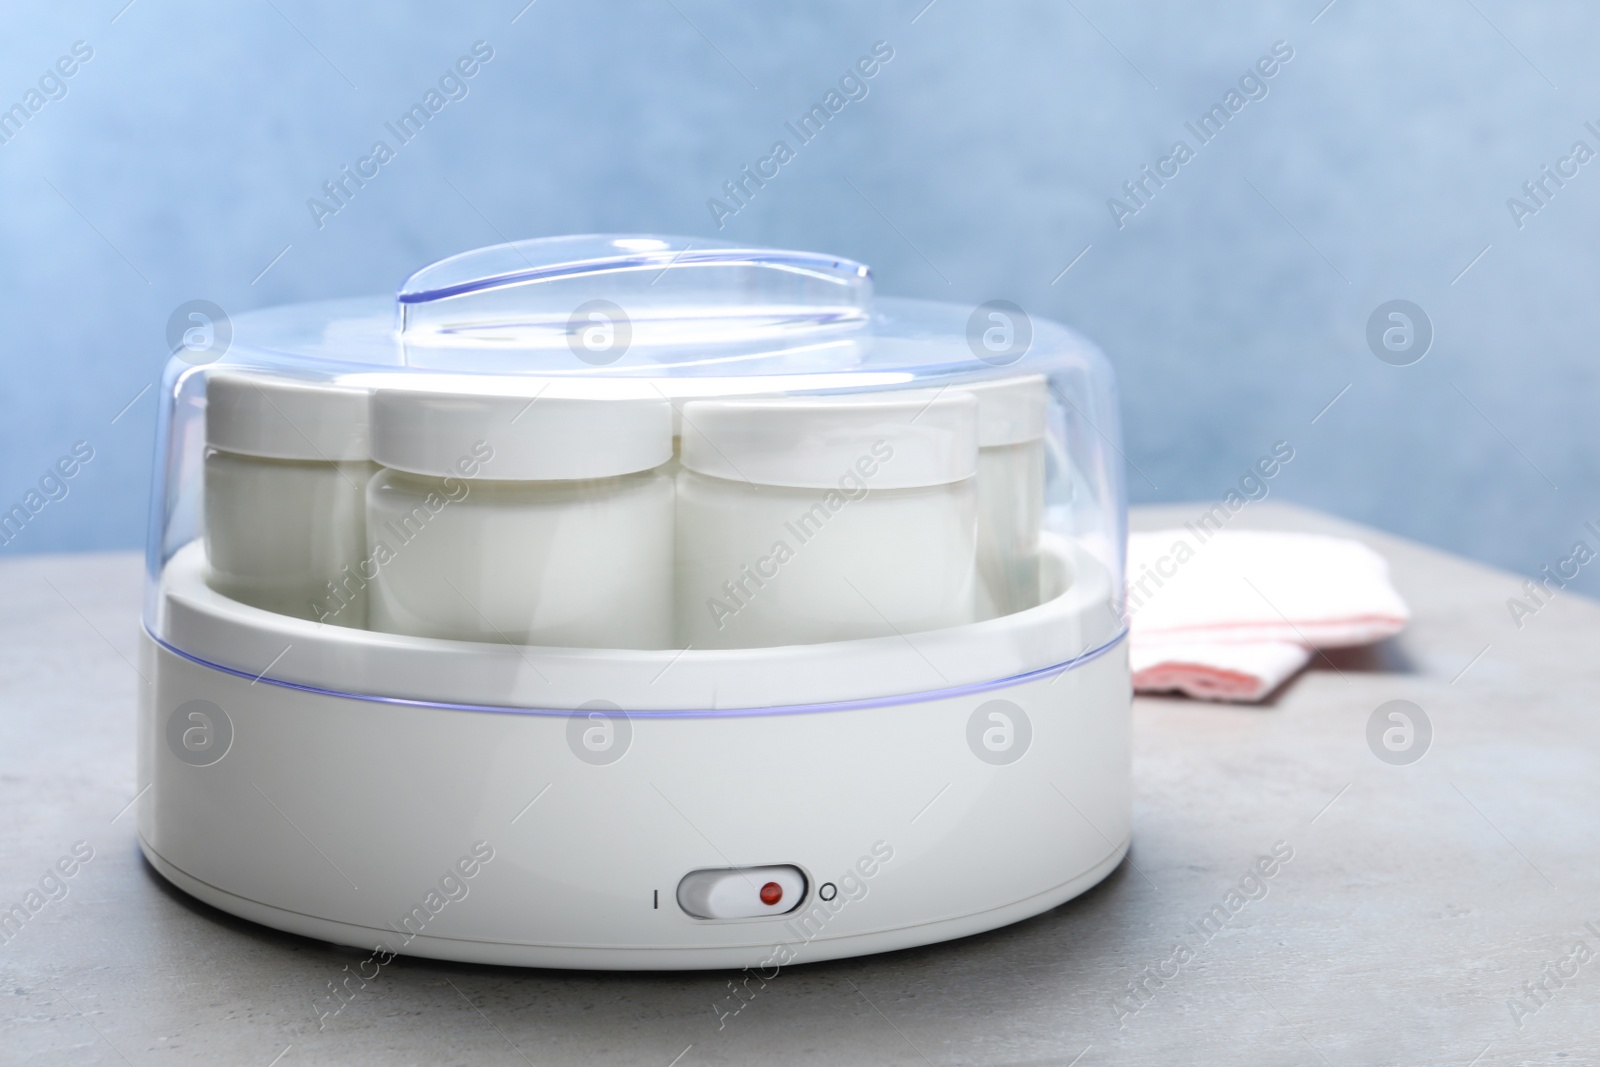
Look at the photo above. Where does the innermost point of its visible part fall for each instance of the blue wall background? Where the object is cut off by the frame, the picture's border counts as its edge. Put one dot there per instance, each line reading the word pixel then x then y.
pixel 179 162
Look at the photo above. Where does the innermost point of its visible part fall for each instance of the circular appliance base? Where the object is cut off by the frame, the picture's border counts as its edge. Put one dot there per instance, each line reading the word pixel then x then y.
pixel 983 777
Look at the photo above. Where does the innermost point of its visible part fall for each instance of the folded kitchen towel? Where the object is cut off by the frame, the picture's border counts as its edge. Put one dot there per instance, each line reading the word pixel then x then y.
pixel 1231 617
pixel 1238 672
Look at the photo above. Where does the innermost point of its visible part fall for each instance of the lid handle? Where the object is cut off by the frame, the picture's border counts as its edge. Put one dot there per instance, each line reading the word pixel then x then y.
pixel 662 290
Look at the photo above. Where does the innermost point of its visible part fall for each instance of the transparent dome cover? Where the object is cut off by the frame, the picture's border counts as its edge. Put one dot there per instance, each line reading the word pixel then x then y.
pixel 661 456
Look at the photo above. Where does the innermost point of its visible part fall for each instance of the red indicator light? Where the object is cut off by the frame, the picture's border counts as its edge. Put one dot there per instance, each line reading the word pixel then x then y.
pixel 771 893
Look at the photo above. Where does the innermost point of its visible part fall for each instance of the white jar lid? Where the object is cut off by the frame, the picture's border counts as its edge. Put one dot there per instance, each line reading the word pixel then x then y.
pixel 285 418
pixel 1010 410
pixel 810 442
pixel 535 434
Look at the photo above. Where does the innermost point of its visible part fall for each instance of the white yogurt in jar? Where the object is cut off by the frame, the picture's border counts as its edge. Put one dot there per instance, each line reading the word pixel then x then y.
pixel 811 519
pixel 286 468
pixel 535 519
pixel 1011 488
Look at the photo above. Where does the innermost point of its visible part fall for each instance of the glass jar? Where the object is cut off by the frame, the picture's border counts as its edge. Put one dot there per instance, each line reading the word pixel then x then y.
pixel 286 468
pixel 1011 491
pixel 529 519
pixel 825 519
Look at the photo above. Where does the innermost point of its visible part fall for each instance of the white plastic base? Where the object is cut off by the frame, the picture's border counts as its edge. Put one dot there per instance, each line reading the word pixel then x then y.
pixel 358 821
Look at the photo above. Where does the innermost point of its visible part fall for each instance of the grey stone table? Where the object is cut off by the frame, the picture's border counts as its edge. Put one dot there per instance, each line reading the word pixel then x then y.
pixel 1430 913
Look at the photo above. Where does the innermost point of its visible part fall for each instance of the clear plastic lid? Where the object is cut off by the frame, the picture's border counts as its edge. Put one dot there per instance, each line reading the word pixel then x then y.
pixel 646 446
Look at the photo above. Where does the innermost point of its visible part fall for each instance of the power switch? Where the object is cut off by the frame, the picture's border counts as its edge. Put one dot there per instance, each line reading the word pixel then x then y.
pixel 741 892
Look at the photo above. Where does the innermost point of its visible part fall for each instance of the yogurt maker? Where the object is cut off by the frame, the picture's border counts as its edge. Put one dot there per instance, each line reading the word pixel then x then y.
pixel 636 602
